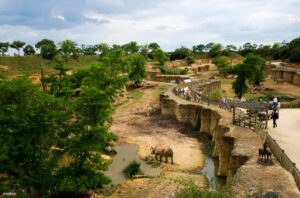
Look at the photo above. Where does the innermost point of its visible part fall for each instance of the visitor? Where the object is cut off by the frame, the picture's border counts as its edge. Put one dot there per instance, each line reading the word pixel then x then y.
pixel 274 116
pixel 198 95
pixel 275 103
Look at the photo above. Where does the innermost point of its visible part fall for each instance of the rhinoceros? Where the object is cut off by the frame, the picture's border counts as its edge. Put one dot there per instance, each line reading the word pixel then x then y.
pixel 162 151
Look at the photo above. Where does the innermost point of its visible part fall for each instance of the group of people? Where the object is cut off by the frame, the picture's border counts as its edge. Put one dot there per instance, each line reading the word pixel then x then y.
pixel 275 112
pixel 185 92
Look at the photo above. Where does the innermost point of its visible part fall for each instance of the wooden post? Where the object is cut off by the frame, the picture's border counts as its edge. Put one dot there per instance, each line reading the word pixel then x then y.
pixel 233 114
pixel 267 117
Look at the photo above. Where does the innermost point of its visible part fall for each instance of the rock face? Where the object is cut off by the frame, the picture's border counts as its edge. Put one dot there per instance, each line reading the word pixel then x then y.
pixel 235 147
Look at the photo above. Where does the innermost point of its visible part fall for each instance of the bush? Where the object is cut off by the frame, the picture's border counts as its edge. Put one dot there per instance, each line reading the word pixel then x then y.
pixel 294 55
pixel 176 71
pixel 191 190
pixel 132 169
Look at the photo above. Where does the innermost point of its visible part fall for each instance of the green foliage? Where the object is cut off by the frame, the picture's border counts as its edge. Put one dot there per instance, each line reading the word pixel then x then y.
pixel 136 94
pixel 294 55
pixel 88 50
pixel 17 45
pixel 180 53
pixel 27 65
pixel 3 47
pixel 28 50
pixel 160 56
pixel 190 59
pixel 31 125
pixel 222 62
pixel 215 50
pixel 67 47
pixel 137 71
pixel 176 71
pixel 240 86
pixel 47 48
pixel 37 129
pixel 257 66
pixel 132 169
pixel 102 48
pixel 131 47
pixel 191 190
pixel 198 48
pixel 217 95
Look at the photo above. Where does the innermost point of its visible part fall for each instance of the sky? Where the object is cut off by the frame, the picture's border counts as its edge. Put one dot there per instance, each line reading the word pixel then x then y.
pixel 170 23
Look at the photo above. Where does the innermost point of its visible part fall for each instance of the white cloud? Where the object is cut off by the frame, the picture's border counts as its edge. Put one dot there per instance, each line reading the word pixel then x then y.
pixel 60 17
pixel 172 23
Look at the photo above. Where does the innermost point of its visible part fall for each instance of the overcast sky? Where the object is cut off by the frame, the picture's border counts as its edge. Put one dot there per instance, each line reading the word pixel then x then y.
pixel 171 23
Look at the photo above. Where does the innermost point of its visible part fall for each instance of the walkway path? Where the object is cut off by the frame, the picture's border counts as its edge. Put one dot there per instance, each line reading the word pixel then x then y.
pixel 287 134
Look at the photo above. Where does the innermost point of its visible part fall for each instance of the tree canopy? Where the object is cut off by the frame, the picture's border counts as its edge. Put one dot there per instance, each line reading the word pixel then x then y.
pixel 17 45
pixel 28 50
pixel 47 48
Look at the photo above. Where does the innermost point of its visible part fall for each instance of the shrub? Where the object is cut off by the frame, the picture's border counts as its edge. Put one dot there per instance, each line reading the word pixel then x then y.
pixel 132 169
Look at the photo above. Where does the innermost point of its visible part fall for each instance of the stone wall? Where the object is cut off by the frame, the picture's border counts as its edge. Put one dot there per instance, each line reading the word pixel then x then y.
pixel 287 75
pixel 235 147
pixel 205 120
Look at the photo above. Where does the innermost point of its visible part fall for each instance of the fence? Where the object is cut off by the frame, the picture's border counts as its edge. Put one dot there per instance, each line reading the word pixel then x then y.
pixel 280 155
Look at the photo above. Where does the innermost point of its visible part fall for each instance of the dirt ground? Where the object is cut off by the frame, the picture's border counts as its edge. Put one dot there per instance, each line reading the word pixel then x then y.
pixel 133 126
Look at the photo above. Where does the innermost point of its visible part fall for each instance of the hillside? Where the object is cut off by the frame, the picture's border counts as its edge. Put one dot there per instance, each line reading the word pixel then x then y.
pixel 26 65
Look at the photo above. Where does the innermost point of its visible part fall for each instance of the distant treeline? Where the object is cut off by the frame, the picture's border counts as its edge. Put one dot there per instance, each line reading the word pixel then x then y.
pixel 289 51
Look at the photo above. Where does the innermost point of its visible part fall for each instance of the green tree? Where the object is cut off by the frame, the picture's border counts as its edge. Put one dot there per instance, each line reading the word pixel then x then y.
pixel 145 51
pixel 88 50
pixel 180 53
pixel 67 47
pixel 240 86
pixel 47 48
pixel 209 46
pixel 28 50
pixel 294 55
pixel 215 50
pixel 3 47
pixel 17 45
pixel 198 48
pixel 160 56
pixel 31 123
pixel 102 48
pixel 257 66
pixel 138 72
pixel 153 46
pixel 131 47
pixel 222 62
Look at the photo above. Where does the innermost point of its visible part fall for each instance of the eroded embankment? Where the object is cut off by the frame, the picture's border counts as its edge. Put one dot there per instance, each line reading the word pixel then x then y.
pixel 235 147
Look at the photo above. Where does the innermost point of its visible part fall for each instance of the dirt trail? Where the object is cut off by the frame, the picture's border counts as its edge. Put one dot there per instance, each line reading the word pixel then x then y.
pixel 133 126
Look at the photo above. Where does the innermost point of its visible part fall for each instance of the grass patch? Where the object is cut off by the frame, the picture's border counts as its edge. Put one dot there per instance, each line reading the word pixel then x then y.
pixel 136 94
pixel 191 190
pixel 161 89
pixel 132 169
pixel 27 65
pixel 176 71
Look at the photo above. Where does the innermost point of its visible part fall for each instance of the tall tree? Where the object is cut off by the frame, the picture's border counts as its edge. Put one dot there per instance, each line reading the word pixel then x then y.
pixel 17 45
pixel 31 123
pixel 240 86
pixel 28 50
pixel 257 66
pixel 215 50
pixel 67 47
pixel 138 72
pixel 3 47
pixel 102 48
pixel 131 47
pixel 160 56
pixel 47 48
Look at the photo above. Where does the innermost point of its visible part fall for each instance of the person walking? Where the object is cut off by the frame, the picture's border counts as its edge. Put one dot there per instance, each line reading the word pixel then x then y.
pixel 274 116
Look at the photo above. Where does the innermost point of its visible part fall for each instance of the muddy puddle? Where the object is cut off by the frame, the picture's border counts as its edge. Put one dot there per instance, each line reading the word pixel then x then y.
pixel 126 153
pixel 210 171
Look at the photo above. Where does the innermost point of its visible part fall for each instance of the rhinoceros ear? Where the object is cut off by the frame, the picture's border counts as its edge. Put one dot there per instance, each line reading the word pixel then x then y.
pixel 151 148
